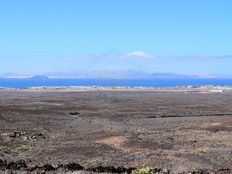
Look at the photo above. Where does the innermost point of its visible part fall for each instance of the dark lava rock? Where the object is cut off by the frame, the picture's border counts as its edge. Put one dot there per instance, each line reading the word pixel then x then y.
pixel 205 171
pixel 33 168
pixel 215 130
pixel 16 165
pixel 130 170
pixel 110 169
pixel 37 136
pixel 2 164
pixel 73 167
pixel 74 113
pixel 16 135
pixel 225 171
pixel 48 167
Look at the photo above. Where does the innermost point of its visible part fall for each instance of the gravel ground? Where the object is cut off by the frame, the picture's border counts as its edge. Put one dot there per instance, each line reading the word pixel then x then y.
pixel 115 131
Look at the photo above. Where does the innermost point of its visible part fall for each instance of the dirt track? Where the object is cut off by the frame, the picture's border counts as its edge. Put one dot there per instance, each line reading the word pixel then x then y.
pixel 168 130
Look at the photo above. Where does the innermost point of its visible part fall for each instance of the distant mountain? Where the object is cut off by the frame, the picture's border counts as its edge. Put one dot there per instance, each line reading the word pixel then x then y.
pixel 39 77
pixel 126 74
pixel 19 76
pixel 171 75
pixel 14 75
pixel 120 74
pixel 98 74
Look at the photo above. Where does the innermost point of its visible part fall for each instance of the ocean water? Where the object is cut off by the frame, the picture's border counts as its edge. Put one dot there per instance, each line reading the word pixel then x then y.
pixel 26 83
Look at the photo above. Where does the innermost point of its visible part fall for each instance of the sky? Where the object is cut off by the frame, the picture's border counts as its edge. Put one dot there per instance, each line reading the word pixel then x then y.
pixel 175 36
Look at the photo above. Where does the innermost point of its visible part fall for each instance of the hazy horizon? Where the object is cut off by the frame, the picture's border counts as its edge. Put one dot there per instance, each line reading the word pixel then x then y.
pixel 181 37
pixel 118 74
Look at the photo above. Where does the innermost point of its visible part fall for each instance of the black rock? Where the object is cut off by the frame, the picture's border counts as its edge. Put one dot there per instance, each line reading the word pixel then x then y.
pixel 48 167
pixel 37 136
pixel 110 169
pixel 2 164
pixel 73 167
pixel 16 135
pixel 16 165
pixel 74 113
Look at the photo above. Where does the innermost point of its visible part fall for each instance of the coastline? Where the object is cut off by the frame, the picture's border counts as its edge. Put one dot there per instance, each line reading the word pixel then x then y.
pixel 185 89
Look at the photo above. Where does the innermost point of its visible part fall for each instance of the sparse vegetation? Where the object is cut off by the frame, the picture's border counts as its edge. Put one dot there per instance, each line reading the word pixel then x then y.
pixel 183 127
pixel 193 126
pixel 16 150
pixel 144 170
pixel 201 150
pixel 190 126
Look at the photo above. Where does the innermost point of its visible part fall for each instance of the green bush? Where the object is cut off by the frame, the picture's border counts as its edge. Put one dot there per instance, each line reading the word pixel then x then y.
pixel 144 170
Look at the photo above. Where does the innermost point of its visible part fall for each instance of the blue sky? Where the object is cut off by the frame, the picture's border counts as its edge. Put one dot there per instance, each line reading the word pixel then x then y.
pixel 179 36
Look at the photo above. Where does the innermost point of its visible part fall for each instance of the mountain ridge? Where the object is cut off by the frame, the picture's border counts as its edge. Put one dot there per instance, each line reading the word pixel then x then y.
pixel 111 74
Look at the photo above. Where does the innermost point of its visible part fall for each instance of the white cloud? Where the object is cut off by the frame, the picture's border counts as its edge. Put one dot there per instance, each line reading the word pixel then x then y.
pixel 132 55
pixel 138 54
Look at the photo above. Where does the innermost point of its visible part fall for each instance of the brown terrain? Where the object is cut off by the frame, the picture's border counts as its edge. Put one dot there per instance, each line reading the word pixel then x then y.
pixel 115 131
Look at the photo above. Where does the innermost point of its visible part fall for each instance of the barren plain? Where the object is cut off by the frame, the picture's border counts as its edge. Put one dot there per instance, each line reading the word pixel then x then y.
pixel 115 131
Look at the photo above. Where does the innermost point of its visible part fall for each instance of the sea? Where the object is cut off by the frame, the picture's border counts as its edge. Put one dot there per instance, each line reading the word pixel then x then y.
pixel 157 83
